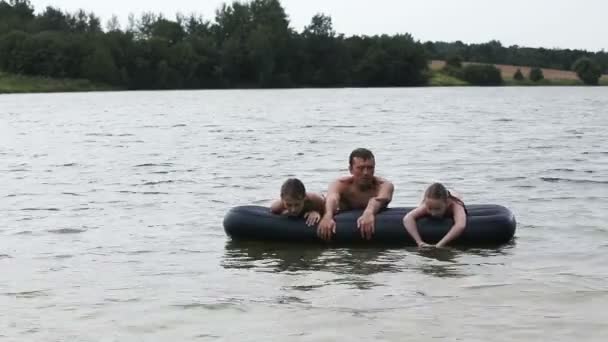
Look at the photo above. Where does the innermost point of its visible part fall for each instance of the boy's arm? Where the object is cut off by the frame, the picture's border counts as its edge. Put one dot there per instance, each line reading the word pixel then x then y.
pixel 318 202
pixel 277 207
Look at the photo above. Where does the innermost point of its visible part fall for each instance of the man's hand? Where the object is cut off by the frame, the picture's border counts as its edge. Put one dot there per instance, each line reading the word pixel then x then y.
pixel 366 224
pixel 326 228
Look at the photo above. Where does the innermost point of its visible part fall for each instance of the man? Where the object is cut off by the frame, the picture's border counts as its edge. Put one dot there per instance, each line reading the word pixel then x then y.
pixel 360 190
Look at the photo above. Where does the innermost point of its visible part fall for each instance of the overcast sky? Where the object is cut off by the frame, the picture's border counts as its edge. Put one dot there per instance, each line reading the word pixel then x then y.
pixel 536 23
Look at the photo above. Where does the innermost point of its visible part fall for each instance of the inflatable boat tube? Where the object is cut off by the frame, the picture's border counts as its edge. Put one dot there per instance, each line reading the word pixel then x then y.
pixel 486 225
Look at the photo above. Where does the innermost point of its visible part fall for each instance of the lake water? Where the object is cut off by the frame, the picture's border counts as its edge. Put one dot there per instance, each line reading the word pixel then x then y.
pixel 111 208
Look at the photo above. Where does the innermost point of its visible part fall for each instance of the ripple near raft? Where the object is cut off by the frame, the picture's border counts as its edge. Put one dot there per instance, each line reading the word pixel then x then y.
pixel 576 181
pixel 27 294
pixel 67 231
pixel 40 209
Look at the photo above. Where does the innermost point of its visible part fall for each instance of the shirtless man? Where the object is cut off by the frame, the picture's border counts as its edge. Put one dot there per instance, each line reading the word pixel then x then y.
pixel 361 190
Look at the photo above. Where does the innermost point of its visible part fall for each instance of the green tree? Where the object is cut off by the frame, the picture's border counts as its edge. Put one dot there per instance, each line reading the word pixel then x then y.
pixel 12 52
pixel 454 61
pixel 453 66
pixel 99 66
pixel 326 61
pixel 518 76
pixel 15 15
pixel 171 31
pixel 268 41
pixel 482 74
pixel 536 74
pixel 587 70
pixel 52 19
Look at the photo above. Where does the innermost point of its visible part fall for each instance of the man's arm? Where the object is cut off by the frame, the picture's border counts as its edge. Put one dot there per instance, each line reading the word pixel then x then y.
pixel 366 223
pixel 385 196
pixel 327 225
pixel 332 200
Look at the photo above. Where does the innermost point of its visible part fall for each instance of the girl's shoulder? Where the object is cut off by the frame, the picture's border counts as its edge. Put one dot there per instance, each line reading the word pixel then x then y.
pixel 455 194
pixel 455 199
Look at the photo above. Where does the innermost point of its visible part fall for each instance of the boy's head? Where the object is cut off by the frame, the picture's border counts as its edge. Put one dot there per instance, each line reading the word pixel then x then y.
pixel 293 196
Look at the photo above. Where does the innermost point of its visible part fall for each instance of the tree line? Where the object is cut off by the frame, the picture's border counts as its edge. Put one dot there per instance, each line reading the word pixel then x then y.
pixel 495 53
pixel 247 44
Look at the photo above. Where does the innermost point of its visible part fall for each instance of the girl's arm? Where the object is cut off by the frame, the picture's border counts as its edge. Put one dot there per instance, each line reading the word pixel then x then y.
pixel 460 222
pixel 409 221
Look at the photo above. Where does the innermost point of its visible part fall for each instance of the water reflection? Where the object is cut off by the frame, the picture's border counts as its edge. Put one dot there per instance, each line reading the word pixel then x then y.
pixel 458 262
pixel 271 257
pixel 354 265
pixel 286 257
pixel 440 262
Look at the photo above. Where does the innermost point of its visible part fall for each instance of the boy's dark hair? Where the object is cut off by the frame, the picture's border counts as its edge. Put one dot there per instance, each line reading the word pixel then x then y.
pixel 293 188
pixel 362 153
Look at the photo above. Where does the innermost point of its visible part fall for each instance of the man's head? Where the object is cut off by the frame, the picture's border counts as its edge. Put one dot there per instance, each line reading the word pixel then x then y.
pixel 362 165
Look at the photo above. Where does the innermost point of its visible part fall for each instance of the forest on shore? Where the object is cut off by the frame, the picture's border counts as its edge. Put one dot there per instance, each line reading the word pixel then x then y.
pixel 246 45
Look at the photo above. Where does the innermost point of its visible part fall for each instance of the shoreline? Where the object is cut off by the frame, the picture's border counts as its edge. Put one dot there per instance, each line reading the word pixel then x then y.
pixel 20 84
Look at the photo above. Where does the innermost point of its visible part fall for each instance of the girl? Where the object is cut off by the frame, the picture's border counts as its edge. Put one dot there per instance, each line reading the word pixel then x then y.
pixel 295 202
pixel 437 202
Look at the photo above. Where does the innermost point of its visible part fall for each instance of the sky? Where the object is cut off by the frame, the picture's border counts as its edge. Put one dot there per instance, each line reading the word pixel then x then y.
pixel 533 23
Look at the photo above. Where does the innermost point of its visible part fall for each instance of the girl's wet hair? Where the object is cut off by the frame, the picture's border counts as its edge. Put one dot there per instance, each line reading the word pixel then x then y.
pixel 440 192
pixel 293 188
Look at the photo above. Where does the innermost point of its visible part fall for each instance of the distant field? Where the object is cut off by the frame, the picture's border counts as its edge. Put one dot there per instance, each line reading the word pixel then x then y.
pixel 507 72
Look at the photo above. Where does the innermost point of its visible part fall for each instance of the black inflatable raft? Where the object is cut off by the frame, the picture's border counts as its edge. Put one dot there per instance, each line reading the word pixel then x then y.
pixel 486 225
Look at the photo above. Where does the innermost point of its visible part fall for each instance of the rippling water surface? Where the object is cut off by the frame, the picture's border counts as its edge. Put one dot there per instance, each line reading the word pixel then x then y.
pixel 111 207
